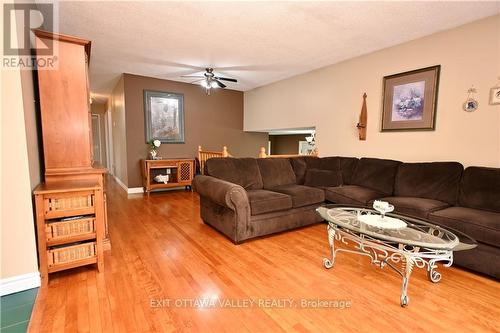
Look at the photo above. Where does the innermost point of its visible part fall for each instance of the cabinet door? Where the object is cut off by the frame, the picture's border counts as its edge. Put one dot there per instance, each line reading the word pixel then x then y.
pixel 64 108
pixel 185 172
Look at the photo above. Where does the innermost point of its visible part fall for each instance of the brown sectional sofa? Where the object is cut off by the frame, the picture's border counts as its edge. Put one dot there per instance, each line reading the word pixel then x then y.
pixel 246 198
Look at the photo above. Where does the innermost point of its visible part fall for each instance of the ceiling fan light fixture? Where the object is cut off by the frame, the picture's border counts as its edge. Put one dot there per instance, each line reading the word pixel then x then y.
pixel 209 81
pixel 205 84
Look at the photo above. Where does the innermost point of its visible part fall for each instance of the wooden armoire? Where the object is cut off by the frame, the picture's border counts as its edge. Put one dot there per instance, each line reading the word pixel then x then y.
pixel 71 203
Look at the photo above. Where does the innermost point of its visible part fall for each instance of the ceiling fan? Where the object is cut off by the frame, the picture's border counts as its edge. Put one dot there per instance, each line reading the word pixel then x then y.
pixel 209 81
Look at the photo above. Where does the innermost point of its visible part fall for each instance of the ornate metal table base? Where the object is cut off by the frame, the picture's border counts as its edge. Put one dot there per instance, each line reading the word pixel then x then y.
pixel 384 253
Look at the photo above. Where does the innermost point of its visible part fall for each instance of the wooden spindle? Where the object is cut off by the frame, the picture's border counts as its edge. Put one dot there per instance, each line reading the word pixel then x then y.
pixel 262 153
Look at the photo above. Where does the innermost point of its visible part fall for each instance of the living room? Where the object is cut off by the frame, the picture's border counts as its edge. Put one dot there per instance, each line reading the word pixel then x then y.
pixel 250 166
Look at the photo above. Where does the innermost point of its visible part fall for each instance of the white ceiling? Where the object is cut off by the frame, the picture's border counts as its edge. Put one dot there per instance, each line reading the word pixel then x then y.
pixel 255 42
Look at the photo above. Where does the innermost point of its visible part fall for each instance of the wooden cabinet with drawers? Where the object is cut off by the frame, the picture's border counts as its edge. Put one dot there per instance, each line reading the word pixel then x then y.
pixel 180 173
pixel 70 225
pixel 71 203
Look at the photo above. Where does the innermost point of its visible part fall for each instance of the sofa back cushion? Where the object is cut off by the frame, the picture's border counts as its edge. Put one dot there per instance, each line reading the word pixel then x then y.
pixel 348 166
pixel 480 188
pixel 276 172
pixel 331 163
pixel 300 164
pixel 435 180
pixel 242 171
pixel 376 174
pixel 323 178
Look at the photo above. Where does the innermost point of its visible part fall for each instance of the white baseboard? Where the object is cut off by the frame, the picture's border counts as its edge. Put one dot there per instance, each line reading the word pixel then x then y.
pixel 19 283
pixel 131 190
pixel 122 185
pixel 135 190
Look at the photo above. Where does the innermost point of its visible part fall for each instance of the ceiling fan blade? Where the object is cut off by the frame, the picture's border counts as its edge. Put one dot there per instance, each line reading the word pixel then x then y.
pixel 195 81
pixel 220 84
pixel 193 76
pixel 226 79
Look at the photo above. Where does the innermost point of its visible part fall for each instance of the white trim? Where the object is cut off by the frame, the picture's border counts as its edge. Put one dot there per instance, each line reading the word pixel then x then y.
pixel 131 190
pixel 122 185
pixel 135 190
pixel 19 283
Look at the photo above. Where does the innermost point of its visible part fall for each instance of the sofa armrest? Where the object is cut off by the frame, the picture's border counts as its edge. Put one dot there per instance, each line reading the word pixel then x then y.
pixel 221 192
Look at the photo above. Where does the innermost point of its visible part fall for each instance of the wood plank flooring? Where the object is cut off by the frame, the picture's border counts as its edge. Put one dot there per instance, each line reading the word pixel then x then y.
pixel 162 251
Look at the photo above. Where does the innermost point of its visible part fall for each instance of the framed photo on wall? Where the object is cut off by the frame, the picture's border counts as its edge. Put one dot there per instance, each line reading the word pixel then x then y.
pixel 410 100
pixel 164 116
pixel 495 95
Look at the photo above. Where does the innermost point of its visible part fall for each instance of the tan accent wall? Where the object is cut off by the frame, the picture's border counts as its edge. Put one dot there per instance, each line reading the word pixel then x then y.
pixel 330 99
pixel 286 144
pixel 18 245
pixel 117 100
pixel 211 121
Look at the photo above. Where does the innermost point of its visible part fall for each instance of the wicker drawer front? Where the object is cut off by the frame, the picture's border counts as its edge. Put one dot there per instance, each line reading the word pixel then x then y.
pixel 72 228
pixel 68 205
pixel 68 254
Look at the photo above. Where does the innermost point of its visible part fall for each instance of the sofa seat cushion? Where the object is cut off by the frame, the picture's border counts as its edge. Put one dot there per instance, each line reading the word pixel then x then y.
pixel 263 201
pixel 302 195
pixel 417 207
pixel 351 194
pixel 482 225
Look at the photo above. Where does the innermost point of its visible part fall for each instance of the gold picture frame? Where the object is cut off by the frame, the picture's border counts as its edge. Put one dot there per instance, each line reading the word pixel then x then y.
pixel 410 100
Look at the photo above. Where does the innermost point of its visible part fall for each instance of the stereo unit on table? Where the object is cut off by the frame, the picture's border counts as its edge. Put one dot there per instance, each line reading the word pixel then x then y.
pixel 169 173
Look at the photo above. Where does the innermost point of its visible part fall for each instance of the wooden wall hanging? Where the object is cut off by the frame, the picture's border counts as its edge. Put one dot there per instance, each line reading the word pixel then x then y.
pixel 363 118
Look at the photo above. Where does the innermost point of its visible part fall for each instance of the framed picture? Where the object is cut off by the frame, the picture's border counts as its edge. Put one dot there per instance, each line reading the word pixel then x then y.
pixel 410 100
pixel 305 148
pixel 164 116
pixel 495 95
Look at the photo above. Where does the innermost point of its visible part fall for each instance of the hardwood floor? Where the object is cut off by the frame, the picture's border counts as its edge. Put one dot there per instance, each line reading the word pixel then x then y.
pixel 161 251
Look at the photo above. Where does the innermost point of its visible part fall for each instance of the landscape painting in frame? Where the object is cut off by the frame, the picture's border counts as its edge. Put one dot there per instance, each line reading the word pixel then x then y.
pixel 164 116
pixel 410 100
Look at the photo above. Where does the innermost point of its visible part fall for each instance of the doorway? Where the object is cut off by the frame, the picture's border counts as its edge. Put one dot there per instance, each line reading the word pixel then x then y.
pixel 97 138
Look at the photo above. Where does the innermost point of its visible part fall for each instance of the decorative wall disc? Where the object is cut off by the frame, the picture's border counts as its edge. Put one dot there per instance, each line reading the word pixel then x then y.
pixel 471 104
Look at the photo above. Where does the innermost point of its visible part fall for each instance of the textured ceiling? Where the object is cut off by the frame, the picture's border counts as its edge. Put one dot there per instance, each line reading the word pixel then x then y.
pixel 255 42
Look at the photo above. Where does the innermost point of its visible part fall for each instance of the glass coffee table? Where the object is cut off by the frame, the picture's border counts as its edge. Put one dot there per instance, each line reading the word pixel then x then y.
pixel 400 242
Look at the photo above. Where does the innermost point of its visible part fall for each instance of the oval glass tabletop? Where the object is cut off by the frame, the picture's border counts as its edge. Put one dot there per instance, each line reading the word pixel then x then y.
pixel 416 232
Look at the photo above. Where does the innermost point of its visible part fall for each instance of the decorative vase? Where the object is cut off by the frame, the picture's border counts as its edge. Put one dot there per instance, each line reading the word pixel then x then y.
pixel 153 153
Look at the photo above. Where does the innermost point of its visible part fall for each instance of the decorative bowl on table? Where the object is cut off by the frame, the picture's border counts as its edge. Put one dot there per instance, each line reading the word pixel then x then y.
pixel 382 221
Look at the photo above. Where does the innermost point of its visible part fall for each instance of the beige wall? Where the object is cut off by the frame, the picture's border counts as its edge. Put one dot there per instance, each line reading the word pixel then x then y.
pixel 211 121
pixel 118 131
pixel 330 99
pixel 18 246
